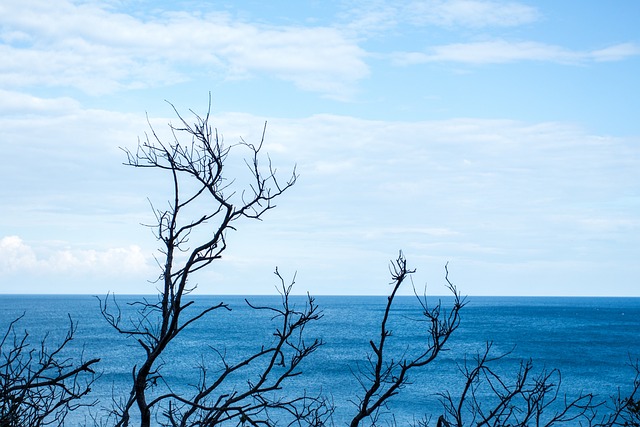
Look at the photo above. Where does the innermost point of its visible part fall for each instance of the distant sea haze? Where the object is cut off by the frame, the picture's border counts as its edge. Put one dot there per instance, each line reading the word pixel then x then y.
pixel 590 340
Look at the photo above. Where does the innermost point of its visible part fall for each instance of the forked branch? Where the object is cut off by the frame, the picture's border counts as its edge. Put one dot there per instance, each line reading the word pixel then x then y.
pixel 385 376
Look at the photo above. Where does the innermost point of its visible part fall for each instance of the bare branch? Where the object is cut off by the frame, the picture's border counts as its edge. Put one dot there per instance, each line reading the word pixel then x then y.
pixel 39 386
pixel 386 376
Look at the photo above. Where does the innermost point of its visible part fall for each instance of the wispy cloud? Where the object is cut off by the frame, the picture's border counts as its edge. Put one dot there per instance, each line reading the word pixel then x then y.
pixel 502 51
pixel 366 17
pixel 470 13
pixel 16 103
pixel 616 52
pixel 100 51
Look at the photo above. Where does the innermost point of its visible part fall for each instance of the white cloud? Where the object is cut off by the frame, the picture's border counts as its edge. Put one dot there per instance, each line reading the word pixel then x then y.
pixel 502 51
pixel 471 13
pixel 616 52
pixel 17 257
pixel 367 18
pixel 98 51
pixel 16 103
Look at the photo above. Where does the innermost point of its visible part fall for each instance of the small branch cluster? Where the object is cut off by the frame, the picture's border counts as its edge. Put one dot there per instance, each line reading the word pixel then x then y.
pixel 384 377
pixel 260 400
pixel 39 385
pixel 489 399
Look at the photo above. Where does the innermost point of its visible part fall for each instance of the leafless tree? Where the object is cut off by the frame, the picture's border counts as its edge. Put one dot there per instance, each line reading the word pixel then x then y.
pixel 40 385
pixel 383 377
pixel 207 202
pixel 489 398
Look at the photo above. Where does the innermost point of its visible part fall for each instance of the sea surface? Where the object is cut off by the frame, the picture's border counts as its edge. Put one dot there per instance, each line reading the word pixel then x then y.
pixel 590 340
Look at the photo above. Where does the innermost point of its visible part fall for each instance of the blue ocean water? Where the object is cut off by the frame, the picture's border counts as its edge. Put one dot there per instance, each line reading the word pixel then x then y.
pixel 591 341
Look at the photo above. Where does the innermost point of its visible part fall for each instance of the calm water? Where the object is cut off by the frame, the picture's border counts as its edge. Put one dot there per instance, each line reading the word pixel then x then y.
pixel 589 339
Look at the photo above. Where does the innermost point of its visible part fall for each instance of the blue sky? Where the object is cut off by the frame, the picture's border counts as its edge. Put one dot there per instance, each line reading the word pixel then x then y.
pixel 501 137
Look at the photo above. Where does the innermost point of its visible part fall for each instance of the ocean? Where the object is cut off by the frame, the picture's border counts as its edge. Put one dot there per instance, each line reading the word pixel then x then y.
pixel 590 340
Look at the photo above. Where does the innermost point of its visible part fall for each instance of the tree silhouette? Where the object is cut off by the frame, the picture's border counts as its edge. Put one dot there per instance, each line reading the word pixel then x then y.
pixel 40 384
pixel 206 204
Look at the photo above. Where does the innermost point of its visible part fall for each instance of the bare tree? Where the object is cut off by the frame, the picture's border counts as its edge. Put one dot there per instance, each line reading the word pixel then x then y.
pixel 383 377
pixel 206 204
pixel 40 385
pixel 488 397
pixel 529 399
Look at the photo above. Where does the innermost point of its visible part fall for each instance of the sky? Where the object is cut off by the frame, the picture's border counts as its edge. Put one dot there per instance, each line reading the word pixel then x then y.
pixel 500 138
